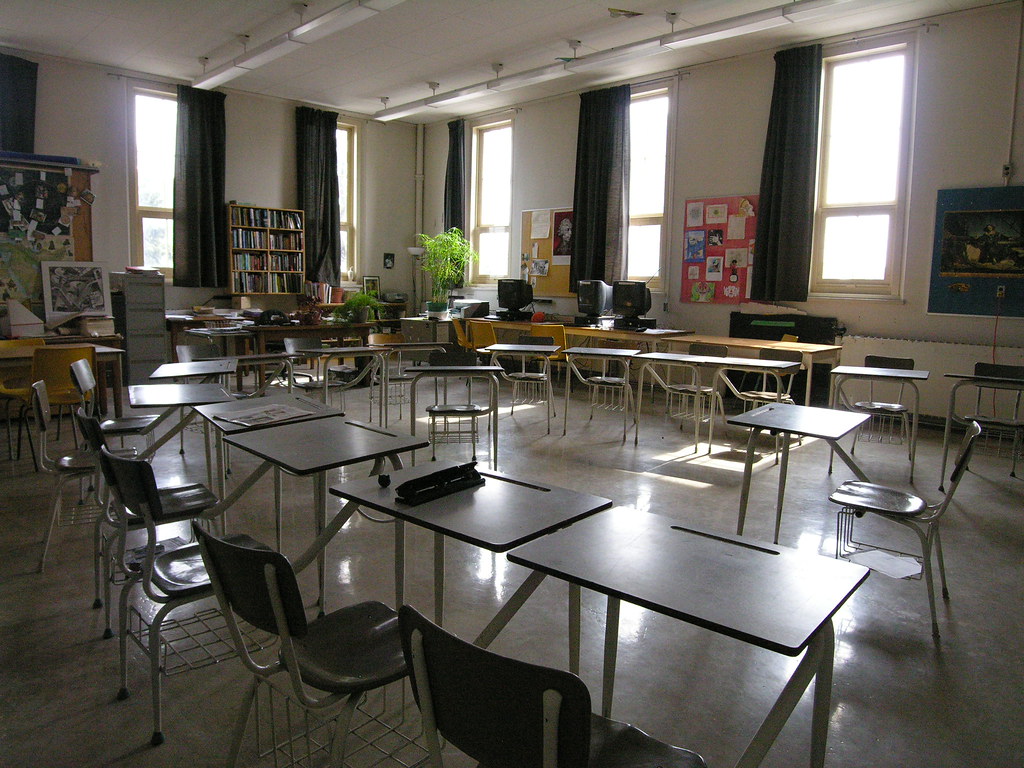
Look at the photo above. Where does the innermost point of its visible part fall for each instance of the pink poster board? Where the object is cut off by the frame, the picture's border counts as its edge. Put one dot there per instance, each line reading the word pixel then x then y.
pixel 718 249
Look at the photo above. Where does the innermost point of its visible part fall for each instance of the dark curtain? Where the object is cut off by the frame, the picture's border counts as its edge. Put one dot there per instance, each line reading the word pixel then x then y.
pixel 17 104
pixel 786 216
pixel 316 161
pixel 455 177
pixel 200 223
pixel 601 193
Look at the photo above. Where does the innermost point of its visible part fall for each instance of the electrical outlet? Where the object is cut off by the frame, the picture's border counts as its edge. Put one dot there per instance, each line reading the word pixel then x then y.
pixel 1000 291
pixel 1007 170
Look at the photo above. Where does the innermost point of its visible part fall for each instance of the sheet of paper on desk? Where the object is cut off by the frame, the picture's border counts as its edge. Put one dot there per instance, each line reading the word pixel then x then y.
pixel 891 565
pixel 264 414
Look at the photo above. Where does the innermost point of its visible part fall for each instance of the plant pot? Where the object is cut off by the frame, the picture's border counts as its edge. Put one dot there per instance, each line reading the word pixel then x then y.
pixel 438 309
pixel 361 315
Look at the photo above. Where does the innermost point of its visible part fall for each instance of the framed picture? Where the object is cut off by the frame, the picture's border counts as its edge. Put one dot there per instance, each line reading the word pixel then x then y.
pixel 73 288
pixel 371 285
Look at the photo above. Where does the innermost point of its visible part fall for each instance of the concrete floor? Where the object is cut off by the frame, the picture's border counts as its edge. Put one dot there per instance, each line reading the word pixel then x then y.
pixel 899 699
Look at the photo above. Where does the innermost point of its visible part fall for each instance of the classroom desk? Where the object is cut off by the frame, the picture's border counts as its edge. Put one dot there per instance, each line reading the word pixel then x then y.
pixel 524 352
pixel 327 354
pixel 845 373
pixel 208 370
pixel 487 372
pixel 218 416
pixel 20 358
pixel 503 513
pixel 769 596
pixel 810 353
pixel 387 351
pixel 605 355
pixel 987 382
pixel 649 361
pixel 823 423
pixel 312 448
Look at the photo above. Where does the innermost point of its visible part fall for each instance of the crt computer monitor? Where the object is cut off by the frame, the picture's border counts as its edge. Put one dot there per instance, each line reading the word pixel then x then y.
pixel 593 298
pixel 630 298
pixel 513 295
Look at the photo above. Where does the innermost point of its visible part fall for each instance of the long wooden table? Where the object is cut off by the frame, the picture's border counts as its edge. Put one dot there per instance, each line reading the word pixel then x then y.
pixel 587 335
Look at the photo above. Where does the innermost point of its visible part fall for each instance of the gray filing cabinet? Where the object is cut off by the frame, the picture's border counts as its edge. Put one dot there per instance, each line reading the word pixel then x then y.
pixel 138 302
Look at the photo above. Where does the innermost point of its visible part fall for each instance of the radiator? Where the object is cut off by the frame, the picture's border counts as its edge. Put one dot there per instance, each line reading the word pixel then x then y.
pixel 939 357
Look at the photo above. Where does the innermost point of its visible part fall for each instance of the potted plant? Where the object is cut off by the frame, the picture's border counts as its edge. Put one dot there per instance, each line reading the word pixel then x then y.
pixel 357 308
pixel 445 258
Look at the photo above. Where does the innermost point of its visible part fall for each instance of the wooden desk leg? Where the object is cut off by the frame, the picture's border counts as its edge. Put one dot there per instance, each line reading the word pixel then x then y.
pixel 611 649
pixel 748 468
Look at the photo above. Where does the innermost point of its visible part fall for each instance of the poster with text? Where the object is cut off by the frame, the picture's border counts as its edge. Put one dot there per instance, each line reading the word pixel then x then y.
pixel 719 249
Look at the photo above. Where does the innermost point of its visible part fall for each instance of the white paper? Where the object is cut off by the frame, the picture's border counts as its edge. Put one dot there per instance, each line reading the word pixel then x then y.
pixel 540 225
pixel 737 228
pixel 265 414
pixel 891 565
pixel 695 214
pixel 718 213
pixel 562 260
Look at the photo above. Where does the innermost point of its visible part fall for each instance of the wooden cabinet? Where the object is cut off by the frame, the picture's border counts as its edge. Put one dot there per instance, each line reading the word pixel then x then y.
pixel 267 249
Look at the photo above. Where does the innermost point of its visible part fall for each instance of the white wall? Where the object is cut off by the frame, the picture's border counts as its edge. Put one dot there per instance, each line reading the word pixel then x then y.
pixel 966 80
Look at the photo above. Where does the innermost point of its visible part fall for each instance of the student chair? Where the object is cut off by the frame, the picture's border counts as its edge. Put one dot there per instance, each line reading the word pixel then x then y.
pixel 78 465
pixel 858 498
pixel 171 574
pixel 343 655
pixel 397 381
pixel 16 390
pixel 765 393
pixel 695 399
pixel 454 422
pixel 556 333
pixel 530 387
pixel 890 419
pixel 505 712
pixel 481 334
pixel 125 426
pixel 461 337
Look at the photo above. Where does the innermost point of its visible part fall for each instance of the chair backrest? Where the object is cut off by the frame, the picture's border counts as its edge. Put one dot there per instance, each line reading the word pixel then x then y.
pixel 501 712
pixel 85 383
pixel 999 371
pixel 203 350
pixel 482 334
pixel 40 405
pixel 239 576
pixel 963 460
pixel 896 363
pixel 385 338
pixel 532 339
pixel 52 364
pixel 787 355
pixel 708 350
pixel 452 356
pixel 294 344
pixel 557 334
pixel 91 430
pixel 28 342
pixel 136 485
pixel 460 334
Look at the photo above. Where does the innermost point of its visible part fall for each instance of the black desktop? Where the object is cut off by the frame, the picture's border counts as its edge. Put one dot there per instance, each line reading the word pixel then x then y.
pixel 631 299
pixel 513 297
pixel 593 302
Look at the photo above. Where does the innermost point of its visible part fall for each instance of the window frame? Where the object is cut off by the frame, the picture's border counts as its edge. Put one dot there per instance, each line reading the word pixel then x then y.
pixel 349 228
pixel 477 227
pixel 891 286
pixel 656 89
pixel 138 213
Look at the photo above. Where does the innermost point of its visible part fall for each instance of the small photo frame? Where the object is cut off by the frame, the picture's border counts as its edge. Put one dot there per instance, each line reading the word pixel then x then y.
pixel 74 288
pixel 371 285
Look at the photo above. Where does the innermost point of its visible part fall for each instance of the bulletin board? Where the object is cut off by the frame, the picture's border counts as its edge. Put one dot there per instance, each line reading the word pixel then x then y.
pixel 718 250
pixel 547 244
pixel 978 256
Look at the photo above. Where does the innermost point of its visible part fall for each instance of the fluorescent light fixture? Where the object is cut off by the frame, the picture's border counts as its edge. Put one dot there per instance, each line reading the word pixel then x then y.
pixel 325 24
pixel 602 59
pixel 274 48
pixel 529 77
pixel 219 76
pixel 723 30
pixel 402 110
pixel 459 95
pixel 381 5
pixel 810 9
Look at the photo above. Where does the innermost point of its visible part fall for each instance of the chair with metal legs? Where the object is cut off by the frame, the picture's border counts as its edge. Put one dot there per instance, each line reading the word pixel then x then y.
pixel 16 390
pixel 859 498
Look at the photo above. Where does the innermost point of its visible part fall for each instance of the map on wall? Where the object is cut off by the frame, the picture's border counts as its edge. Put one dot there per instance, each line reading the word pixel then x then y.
pixel 718 251
pixel 37 211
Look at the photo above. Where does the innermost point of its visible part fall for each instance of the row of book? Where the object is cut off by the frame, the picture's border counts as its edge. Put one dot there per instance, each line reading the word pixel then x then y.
pixel 290 241
pixel 263 217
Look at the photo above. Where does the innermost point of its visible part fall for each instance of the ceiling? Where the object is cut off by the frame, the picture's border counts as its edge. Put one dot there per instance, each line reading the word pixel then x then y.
pixel 397 51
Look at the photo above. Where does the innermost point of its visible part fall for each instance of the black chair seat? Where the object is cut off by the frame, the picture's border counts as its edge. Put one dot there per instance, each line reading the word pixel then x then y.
pixel 767 394
pixel 877 498
pixel 619 745
pixel 527 376
pixel 352 649
pixel 606 381
pixel 128 425
pixel 689 389
pixel 180 572
pixel 877 407
pixel 456 409
pixel 185 500
pixel 77 462
pixel 995 421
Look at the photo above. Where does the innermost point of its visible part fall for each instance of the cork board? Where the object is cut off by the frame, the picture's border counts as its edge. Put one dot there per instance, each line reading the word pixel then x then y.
pixel 544 256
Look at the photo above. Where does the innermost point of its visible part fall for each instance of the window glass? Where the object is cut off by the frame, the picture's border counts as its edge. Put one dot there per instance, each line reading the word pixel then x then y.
pixel 346 140
pixel 648 158
pixel 491 210
pixel 153 135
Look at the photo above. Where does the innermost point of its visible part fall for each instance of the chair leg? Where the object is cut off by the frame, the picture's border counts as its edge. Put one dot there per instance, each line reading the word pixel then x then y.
pixel 242 721
pixel 341 729
pixel 937 538
pixel 126 589
pixel 55 505
pixel 97 556
pixel 155 677
pixel 926 552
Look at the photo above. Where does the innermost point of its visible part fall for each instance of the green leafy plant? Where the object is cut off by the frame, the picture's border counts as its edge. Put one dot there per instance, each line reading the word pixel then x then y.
pixel 445 259
pixel 356 305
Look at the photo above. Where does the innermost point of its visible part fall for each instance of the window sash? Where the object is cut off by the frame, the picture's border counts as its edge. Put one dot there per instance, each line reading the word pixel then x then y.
pixel 347 196
pixel 479 271
pixel 890 284
pixel 140 213
pixel 652 217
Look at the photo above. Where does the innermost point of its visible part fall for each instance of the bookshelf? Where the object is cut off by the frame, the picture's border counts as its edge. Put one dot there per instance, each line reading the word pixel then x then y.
pixel 267 249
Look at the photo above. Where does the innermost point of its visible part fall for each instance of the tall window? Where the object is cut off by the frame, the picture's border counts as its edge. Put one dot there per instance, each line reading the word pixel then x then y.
pixel 153 128
pixel 346 139
pixel 862 171
pixel 648 156
pixel 492 199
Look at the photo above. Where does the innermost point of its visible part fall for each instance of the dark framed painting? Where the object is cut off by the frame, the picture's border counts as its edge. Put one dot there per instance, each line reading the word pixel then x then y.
pixel 371 285
pixel 978 252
